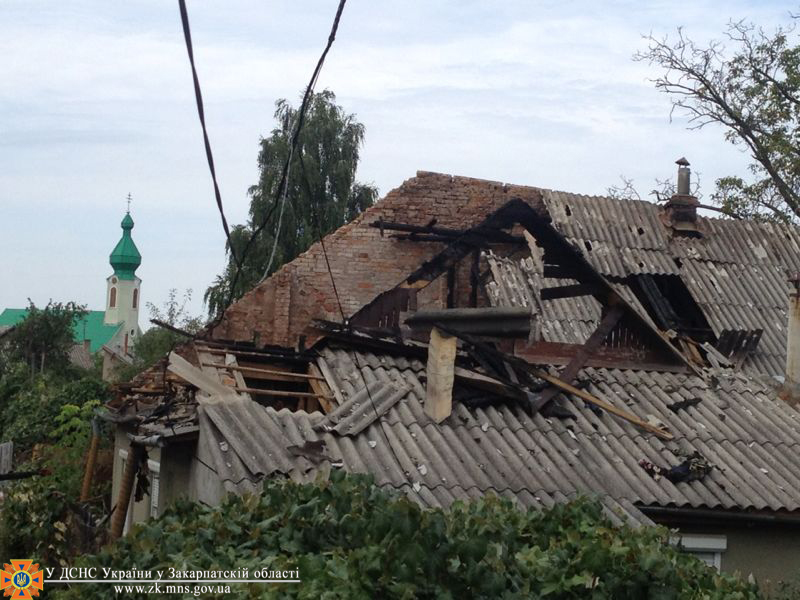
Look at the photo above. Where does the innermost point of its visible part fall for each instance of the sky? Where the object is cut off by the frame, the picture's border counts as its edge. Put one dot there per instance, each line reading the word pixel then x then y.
pixel 96 102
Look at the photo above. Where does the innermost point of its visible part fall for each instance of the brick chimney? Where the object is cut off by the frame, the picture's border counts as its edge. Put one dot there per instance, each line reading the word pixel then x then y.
pixel 680 211
pixel 791 385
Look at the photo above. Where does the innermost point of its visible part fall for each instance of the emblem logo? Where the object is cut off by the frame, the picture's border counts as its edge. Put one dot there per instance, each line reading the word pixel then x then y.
pixel 21 580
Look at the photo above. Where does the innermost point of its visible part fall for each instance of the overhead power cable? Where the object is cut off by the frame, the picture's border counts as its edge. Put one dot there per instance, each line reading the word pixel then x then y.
pixel 345 322
pixel 240 259
pixel 277 235
pixel 301 114
pixel 198 95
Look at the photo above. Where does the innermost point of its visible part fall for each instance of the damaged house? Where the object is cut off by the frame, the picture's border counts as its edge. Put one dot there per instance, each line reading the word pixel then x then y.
pixel 503 339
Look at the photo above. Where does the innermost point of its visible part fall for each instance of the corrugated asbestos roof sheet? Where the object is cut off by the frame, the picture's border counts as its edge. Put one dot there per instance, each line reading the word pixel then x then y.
pixel 737 272
pixel 734 420
pixel 749 437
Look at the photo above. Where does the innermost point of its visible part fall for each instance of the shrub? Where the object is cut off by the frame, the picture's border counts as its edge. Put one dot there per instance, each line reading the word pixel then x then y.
pixel 351 539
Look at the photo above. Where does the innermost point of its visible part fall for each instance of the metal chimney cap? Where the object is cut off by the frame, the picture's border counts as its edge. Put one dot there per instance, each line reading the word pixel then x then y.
pixel 682 162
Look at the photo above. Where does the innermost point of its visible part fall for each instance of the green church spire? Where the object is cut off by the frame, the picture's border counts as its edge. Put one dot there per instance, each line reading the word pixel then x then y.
pixel 125 257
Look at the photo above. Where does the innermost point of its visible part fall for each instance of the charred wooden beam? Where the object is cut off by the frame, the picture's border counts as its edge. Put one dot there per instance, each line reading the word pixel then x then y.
pixel 477 241
pixel 494 321
pixel 451 287
pixel 280 393
pixel 607 323
pixel 265 374
pixel 503 218
pixel 619 357
pixel 564 386
pixel 570 291
pixel 266 355
pixel 474 278
pixel 449 234
pixel 560 272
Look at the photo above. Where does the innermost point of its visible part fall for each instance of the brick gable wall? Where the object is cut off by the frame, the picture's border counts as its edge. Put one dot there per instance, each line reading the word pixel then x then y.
pixel 363 263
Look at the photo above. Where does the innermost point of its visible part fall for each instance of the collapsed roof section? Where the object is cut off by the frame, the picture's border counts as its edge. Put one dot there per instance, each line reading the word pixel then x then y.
pixel 575 343
pixel 375 422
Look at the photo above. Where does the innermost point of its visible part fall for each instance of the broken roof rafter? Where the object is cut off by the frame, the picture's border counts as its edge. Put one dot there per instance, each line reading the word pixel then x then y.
pixel 556 251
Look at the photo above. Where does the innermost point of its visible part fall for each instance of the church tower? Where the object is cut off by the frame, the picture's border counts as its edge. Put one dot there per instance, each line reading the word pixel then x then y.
pixel 123 288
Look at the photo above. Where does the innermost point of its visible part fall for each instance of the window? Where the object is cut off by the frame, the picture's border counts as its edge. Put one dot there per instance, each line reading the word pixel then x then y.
pixel 155 479
pixel 154 469
pixel 112 298
pixel 135 298
pixel 708 548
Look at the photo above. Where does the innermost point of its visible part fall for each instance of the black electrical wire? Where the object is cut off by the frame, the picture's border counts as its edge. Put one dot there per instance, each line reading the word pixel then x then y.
pixel 198 95
pixel 345 322
pixel 239 259
pixel 293 147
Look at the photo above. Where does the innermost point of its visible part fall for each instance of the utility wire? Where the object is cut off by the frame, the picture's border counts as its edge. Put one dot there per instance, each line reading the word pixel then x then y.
pixel 280 214
pixel 345 322
pixel 281 190
pixel 285 173
pixel 198 95
pixel 300 121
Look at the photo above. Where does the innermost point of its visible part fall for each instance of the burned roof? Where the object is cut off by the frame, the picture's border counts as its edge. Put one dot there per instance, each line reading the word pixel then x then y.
pixel 748 437
pixel 691 335
pixel 737 272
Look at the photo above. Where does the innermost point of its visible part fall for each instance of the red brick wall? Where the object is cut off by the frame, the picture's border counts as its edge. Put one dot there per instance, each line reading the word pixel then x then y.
pixel 363 263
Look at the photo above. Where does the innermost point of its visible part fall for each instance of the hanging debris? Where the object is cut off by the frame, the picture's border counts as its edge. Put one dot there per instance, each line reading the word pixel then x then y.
pixel 694 468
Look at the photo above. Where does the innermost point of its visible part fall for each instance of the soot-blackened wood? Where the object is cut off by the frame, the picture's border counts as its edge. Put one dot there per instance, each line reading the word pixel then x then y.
pixel 560 272
pixel 607 323
pixel 569 291
pixel 418 233
pixel 474 278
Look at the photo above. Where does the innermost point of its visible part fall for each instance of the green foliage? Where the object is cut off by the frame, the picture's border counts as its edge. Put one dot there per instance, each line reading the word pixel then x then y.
pixel 350 539
pixel 32 407
pixel 40 517
pixel 321 178
pixel 156 342
pixel 752 89
pixel 42 340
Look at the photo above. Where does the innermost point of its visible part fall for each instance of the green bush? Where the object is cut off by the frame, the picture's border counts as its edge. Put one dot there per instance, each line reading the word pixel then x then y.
pixel 32 407
pixel 350 539
pixel 40 516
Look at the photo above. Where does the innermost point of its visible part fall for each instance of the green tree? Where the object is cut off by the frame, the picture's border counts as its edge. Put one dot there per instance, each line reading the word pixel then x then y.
pixel 321 186
pixel 43 339
pixel 156 342
pixel 350 539
pixel 751 87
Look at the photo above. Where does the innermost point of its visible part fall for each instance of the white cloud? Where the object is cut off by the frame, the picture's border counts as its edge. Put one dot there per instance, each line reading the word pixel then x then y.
pixel 97 101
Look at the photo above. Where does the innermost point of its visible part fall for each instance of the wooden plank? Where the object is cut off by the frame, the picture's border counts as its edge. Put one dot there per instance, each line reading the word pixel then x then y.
pixel 607 323
pixel 230 364
pixel 488 384
pixel 273 374
pixel 322 368
pixel 441 373
pixel 279 393
pixel 203 381
pixel 568 291
pixel 560 272
pixel 261 355
pixel 584 395
pixel 560 354
pixel 320 387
